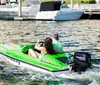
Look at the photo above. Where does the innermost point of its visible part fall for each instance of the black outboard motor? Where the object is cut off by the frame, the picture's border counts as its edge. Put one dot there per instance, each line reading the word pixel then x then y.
pixel 82 61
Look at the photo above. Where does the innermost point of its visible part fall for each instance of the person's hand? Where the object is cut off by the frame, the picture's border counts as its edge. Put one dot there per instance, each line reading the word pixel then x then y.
pixel 38 41
pixel 37 44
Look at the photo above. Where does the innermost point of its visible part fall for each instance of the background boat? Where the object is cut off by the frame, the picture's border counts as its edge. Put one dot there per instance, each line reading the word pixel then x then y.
pixel 57 10
pixel 11 9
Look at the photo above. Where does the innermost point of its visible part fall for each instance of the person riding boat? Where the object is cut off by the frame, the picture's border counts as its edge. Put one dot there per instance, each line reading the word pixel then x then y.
pixel 46 48
pixel 57 45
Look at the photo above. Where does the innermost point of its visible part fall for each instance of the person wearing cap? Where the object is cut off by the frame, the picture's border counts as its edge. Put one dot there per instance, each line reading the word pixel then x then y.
pixel 57 45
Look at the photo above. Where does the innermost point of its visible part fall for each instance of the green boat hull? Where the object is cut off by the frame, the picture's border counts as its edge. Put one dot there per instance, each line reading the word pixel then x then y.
pixel 49 62
pixel 98 30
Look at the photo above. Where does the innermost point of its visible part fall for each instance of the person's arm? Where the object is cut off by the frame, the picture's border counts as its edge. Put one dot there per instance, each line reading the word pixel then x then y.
pixel 37 46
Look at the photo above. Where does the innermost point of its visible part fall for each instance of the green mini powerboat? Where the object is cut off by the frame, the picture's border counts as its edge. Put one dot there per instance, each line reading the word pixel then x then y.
pixel 17 54
pixel 97 30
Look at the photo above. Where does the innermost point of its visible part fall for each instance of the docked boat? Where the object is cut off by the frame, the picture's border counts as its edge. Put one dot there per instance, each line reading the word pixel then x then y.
pixel 17 55
pixel 57 10
pixel 11 10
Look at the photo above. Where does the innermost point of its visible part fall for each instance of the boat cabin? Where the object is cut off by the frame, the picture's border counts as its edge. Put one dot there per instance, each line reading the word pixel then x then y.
pixel 50 6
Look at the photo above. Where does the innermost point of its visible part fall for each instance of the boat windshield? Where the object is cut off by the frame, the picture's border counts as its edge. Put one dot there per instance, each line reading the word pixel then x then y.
pixel 64 5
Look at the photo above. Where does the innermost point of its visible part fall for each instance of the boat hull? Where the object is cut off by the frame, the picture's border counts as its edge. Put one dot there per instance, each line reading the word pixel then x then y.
pixel 17 55
pixel 59 15
pixel 98 30
pixel 9 13
pixel 26 65
pixel 69 15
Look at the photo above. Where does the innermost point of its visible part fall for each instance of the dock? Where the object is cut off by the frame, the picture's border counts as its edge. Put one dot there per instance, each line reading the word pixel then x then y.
pixel 91 11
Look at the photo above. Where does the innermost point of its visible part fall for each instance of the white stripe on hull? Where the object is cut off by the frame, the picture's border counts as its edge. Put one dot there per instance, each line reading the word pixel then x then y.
pixel 22 64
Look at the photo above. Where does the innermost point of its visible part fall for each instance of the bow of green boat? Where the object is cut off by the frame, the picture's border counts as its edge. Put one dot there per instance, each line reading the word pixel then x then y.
pixel 49 62
pixel 97 30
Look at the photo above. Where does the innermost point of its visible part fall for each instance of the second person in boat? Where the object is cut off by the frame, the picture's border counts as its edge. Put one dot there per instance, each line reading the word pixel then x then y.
pixel 57 45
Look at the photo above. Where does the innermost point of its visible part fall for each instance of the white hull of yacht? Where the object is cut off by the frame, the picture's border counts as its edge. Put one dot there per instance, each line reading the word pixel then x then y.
pixel 57 10
pixel 8 13
pixel 69 14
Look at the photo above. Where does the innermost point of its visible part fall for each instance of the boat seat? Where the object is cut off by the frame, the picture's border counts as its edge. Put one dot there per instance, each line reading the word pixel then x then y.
pixel 27 47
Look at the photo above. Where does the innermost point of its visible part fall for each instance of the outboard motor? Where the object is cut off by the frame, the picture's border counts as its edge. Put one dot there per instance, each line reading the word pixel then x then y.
pixel 82 61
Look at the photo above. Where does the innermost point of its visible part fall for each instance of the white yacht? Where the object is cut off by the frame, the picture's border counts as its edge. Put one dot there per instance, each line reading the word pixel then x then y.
pixel 57 10
pixel 10 10
pixel 9 13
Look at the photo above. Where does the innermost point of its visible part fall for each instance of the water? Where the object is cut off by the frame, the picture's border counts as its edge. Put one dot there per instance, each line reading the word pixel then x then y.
pixel 77 35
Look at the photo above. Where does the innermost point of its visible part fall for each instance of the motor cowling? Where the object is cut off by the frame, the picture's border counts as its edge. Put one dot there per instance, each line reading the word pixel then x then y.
pixel 82 61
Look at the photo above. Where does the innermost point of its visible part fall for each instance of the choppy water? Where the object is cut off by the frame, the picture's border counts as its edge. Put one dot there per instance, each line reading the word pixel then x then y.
pixel 78 35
